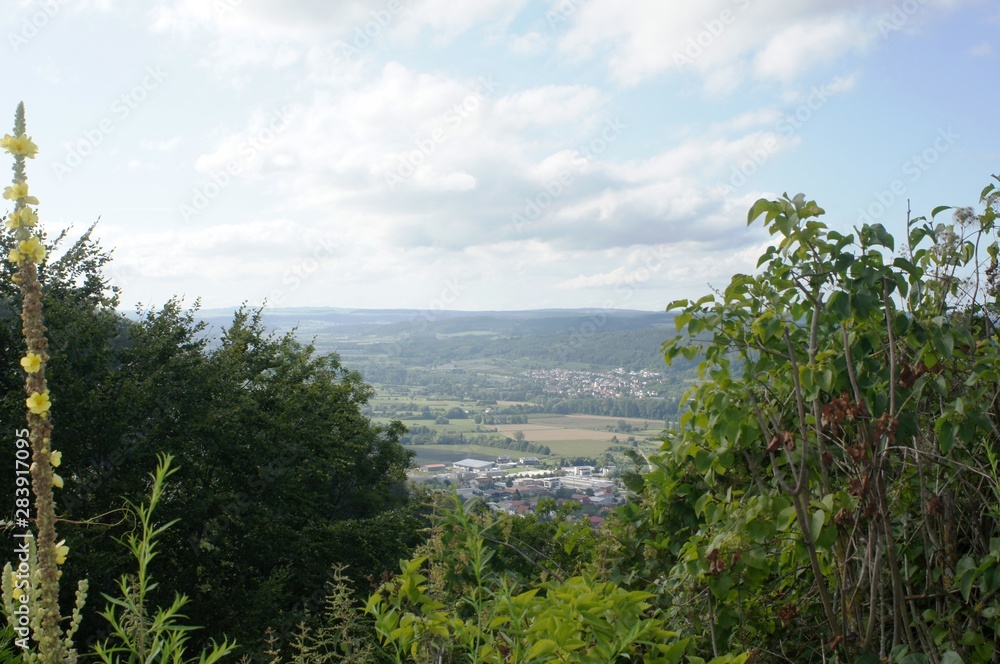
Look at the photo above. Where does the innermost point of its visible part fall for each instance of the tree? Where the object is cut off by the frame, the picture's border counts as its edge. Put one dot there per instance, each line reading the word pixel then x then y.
pixel 832 485
pixel 281 474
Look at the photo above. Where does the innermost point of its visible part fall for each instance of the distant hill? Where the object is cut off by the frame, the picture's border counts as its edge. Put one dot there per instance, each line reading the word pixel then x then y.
pixel 507 340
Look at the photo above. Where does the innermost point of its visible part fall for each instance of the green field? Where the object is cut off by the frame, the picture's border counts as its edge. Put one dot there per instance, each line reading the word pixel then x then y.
pixel 598 422
pixel 452 453
pixel 565 435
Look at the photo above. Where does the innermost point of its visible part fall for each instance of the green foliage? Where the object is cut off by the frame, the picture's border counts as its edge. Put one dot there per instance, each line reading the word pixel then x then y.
pixel 832 485
pixel 464 610
pixel 140 634
pixel 9 654
pixel 282 473
pixel 340 634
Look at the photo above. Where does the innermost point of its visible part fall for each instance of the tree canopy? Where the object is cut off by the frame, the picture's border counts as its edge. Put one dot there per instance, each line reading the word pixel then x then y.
pixel 280 475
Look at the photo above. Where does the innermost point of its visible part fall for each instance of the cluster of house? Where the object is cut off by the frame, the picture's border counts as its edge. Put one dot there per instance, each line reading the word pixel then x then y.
pixel 489 481
pixel 607 384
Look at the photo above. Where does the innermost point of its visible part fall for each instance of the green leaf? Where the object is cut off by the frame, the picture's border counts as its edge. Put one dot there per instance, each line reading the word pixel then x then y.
pixel 945 431
pixel 839 305
pixel 914 658
pixel 761 206
pixel 760 531
pixel 816 523
pixel 633 481
pixel 542 647
pixel 939 209
pixel 965 575
pixel 951 657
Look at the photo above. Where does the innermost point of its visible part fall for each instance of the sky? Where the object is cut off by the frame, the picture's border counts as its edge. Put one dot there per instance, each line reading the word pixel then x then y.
pixel 487 154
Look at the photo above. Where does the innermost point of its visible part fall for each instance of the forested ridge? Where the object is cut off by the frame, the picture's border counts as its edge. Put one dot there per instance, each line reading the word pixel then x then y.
pixel 830 492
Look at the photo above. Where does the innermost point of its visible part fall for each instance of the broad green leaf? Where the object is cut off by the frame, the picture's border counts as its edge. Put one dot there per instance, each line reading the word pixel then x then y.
pixel 951 657
pixel 816 523
pixel 939 209
pixel 542 647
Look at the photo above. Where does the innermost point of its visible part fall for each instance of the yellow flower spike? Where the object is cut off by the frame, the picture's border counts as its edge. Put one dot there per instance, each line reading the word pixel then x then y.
pixel 31 363
pixel 57 481
pixel 39 403
pixel 19 146
pixel 32 250
pixel 55 458
pixel 61 552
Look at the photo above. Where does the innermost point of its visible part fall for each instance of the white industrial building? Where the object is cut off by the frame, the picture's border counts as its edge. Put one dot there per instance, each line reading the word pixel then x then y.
pixel 473 464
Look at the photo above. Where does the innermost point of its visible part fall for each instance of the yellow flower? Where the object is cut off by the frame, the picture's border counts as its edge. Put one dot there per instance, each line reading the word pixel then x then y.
pixel 14 581
pixel 31 362
pixel 17 594
pixel 23 217
pixel 19 146
pixel 55 458
pixel 39 403
pixel 57 481
pixel 17 191
pixel 32 250
pixel 61 552
pixel 14 256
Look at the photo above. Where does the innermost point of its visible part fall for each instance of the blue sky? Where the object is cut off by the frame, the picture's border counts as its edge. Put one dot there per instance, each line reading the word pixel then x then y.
pixel 496 154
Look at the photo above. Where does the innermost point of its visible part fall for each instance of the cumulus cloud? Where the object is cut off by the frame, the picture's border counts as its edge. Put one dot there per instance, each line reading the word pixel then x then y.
pixel 727 42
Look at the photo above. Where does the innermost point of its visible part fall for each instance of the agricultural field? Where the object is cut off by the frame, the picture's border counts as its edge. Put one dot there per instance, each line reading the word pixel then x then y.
pixel 597 422
pixel 565 435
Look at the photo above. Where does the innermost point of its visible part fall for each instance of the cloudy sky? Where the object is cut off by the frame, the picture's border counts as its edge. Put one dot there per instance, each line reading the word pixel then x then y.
pixel 486 154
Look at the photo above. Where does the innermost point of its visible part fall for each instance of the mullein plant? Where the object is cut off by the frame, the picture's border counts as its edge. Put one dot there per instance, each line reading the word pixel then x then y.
pixel 38 591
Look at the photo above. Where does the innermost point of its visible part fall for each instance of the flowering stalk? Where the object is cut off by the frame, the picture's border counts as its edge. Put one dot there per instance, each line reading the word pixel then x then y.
pixel 27 254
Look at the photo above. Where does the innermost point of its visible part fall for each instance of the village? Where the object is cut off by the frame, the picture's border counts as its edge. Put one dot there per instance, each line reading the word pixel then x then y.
pixel 614 384
pixel 505 488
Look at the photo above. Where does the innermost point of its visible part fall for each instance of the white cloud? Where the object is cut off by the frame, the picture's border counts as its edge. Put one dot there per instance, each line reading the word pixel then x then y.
pixel 980 50
pixel 165 145
pixel 529 44
pixel 640 39
pixel 802 46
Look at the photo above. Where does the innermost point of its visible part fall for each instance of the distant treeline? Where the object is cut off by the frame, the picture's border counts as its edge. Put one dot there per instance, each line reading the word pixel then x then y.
pixel 422 435
pixel 649 409
pixel 630 349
